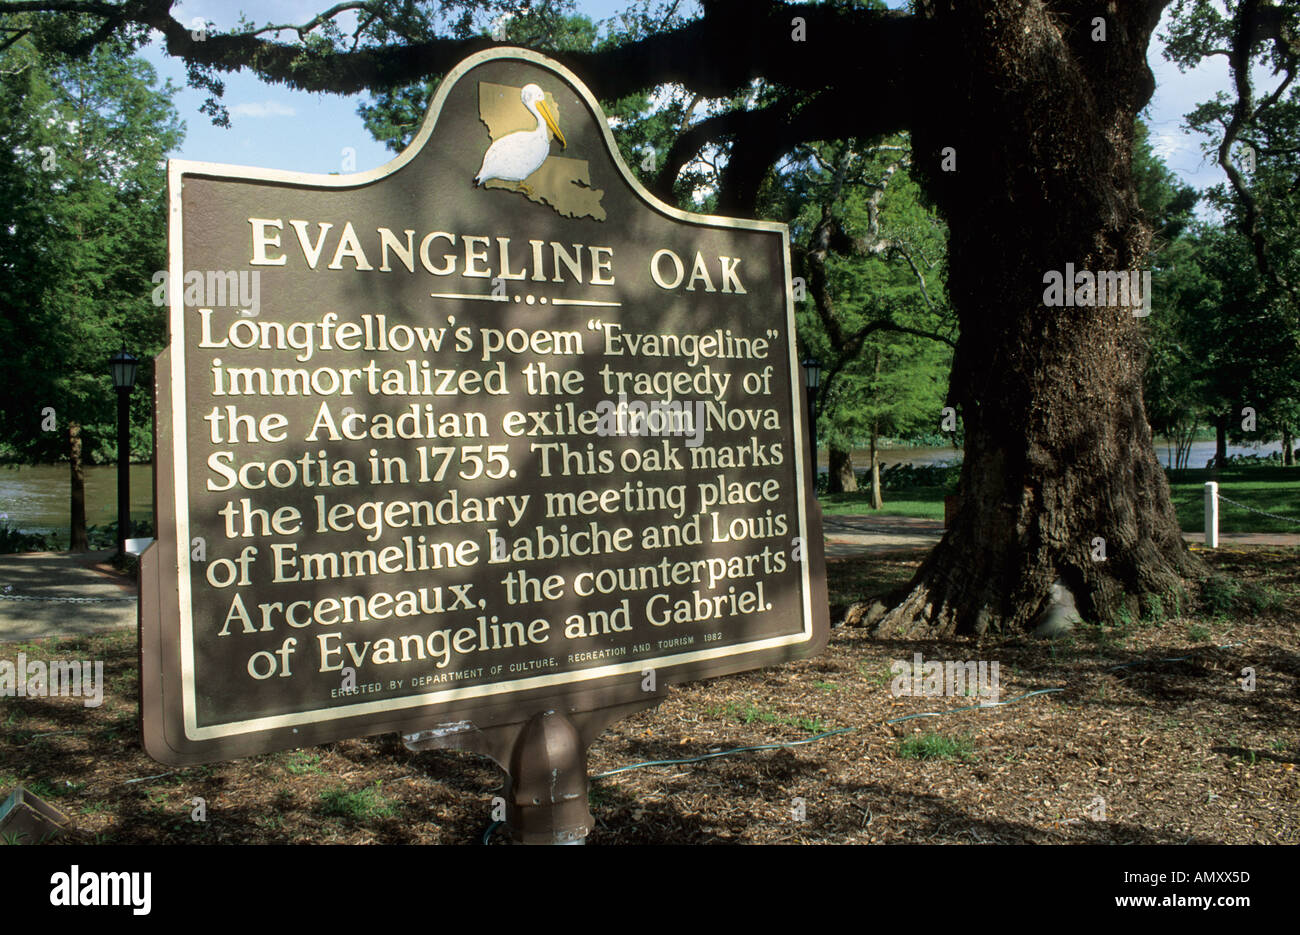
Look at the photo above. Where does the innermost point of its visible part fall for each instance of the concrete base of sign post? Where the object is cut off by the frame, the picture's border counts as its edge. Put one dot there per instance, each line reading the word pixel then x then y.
pixel 545 765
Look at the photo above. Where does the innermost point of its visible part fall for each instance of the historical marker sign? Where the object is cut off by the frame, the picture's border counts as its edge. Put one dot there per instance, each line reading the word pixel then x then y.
pixel 486 430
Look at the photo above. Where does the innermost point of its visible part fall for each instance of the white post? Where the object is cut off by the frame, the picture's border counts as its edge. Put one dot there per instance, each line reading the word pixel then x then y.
pixel 1211 515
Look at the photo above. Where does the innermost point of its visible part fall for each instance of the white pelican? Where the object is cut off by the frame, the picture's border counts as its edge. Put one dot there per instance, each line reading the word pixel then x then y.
pixel 518 155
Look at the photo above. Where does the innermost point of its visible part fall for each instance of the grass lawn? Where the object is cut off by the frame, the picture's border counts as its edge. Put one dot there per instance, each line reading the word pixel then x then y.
pixel 922 502
pixel 1273 489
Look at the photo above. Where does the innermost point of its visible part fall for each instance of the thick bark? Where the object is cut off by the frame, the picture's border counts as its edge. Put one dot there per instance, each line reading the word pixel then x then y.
pixel 1058 450
pixel 1288 448
pixel 842 478
pixel 1220 441
pixel 77 501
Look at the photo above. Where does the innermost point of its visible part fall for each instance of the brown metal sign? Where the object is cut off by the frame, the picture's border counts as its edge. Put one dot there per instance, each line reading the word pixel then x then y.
pixel 484 432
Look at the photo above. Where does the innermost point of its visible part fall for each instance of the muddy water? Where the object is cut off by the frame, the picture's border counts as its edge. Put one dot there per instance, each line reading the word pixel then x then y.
pixel 35 499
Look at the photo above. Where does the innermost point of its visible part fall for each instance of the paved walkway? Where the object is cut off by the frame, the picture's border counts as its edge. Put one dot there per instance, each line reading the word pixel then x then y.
pixel 847 536
pixel 45 594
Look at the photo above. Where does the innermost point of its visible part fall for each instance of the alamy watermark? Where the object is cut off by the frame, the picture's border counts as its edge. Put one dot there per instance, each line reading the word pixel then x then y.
pixel 213 288
pixel 38 679
pixel 1103 288
pixel 77 887
pixel 949 679
pixel 674 417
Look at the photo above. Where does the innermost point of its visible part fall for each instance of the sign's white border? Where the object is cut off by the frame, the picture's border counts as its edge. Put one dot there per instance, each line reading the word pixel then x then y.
pixel 177 169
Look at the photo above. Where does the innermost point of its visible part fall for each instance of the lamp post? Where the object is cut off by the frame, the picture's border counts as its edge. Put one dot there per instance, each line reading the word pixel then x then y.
pixel 812 372
pixel 123 366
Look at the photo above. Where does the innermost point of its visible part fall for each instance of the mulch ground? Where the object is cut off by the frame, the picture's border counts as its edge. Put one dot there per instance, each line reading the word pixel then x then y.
pixel 1151 739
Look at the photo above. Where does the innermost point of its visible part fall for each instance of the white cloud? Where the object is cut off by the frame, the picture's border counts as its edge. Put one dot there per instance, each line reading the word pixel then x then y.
pixel 225 13
pixel 1177 94
pixel 262 109
pixel 1169 145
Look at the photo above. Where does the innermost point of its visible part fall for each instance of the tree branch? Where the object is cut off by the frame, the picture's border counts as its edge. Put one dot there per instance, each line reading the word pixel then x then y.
pixel 319 19
pixel 17 36
pixel 1253 24
pixel 713 55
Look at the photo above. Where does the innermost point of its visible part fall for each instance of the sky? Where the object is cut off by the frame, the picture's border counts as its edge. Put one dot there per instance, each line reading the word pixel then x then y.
pixel 273 127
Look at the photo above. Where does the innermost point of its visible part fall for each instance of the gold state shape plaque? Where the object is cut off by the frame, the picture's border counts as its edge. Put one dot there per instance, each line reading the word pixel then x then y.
pixel 522 122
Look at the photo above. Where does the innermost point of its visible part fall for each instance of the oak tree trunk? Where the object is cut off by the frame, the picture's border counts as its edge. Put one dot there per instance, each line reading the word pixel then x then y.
pixel 1058 452
pixel 842 478
pixel 1220 441
pixel 1288 449
pixel 77 503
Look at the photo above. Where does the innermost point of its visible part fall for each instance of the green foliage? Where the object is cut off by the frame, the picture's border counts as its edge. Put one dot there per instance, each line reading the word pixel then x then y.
pixel 82 229
pixel 1249 461
pixel 598 797
pixel 874 323
pixel 1176 371
pixel 907 475
pixel 300 762
pixel 1222 597
pixel 54 790
pixel 357 804
pixel 933 746
pixel 14 540
pixel 1241 323
pixel 881 676
pixel 1219 595
pixel 1220 342
pixel 1157 608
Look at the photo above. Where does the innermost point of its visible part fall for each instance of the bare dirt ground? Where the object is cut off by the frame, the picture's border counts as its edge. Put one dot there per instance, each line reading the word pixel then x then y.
pixel 1152 738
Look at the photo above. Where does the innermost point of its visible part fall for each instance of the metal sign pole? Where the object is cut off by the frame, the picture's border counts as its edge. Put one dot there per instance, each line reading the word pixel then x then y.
pixel 545 763
pixel 546 785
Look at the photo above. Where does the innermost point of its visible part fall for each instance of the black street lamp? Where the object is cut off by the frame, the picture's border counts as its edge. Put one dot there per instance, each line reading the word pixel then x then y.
pixel 812 372
pixel 123 366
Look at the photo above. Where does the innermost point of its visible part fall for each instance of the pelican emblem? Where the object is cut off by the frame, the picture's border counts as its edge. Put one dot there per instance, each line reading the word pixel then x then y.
pixel 516 156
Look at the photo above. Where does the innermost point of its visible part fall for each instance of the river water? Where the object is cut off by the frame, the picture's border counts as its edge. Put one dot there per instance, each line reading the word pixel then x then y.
pixel 1200 454
pixel 35 499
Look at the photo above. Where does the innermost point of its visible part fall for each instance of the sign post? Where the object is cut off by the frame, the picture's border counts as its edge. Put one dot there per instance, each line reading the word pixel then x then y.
pixel 486 446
